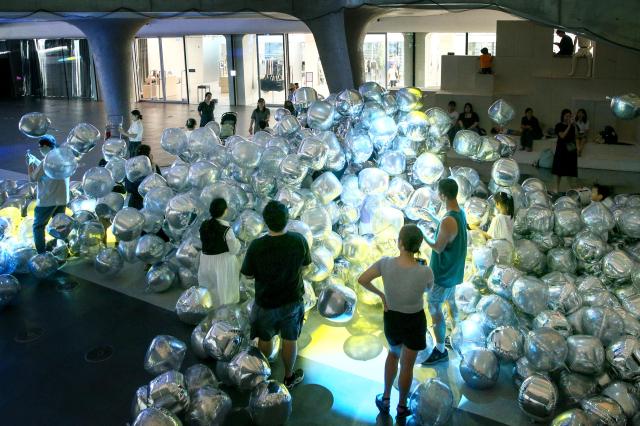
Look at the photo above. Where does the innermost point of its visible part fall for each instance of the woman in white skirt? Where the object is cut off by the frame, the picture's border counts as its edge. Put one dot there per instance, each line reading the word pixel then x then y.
pixel 219 270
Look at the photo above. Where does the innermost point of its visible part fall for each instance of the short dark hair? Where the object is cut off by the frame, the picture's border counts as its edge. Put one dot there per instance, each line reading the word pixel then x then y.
pixel 191 123
pixel 452 103
pixel 217 207
pixel 275 215
pixel 528 109
pixel 564 111
pixel 605 191
pixel 137 114
pixel 505 200
pixel 143 150
pixel 411 238
pixel 448 187
pixel 470 106
pixel 47 140
pixel 207 94
pixel 560 32
pixel 484 50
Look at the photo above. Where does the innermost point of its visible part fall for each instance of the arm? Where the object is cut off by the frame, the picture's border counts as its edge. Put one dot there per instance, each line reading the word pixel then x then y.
pixel 476 121
pixel 365 281
pixel 566 131
pixel 253 120
pixel 200 110
pixel 448 230
pixel 232 242
pixel 247 265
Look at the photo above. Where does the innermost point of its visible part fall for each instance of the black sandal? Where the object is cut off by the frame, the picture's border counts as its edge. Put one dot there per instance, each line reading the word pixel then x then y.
pixel 402 412
pixel 382 403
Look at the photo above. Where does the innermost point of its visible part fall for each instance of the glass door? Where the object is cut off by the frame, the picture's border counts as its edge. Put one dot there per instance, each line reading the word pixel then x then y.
pixel 271 66
pixel 149 69
pixel 207 68
pixel 375 58
pixel 174 70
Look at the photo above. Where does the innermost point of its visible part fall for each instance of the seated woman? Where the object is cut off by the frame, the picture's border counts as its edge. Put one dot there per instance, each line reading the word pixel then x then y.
pixel 486 61
pixel 530 128
pixel 468 119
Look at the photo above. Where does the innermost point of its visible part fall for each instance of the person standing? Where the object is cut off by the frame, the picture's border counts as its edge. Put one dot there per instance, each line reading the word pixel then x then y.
pixel 405 278
pixel 530 129
pixel 205 109
pixel 219 269
pixel 449 251
pixel 260 114
pixel 134 133
pixel 52 195
pixel 565 159
pixel 276 261
pixel 582 127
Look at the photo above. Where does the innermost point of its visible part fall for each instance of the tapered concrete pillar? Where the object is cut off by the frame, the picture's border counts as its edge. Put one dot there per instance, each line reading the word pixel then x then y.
pixel 339 38
pixel 110 41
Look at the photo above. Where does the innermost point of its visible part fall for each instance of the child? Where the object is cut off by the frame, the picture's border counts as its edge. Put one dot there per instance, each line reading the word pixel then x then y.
pixel 190 126
pixel 599 192
pixel 502 223
pixel 485 61
pixel 219 270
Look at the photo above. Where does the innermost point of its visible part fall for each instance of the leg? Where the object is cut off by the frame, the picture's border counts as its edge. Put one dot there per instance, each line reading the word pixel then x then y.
pixel 290 328
pixel 407 361
pixel 390 369
pixel 439 324
pixel 289 354
pixel 589 64
pixel 40 220
pixel 574 62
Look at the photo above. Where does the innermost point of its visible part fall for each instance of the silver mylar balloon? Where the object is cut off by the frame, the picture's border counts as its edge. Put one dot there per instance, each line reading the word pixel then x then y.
pixel 589 246
pixel 496 312
pixel 500 112
pixel 326 187
pixel 150 248
pixel 177 176
pixel 561 259
pixel 576 387
pixel 467 143
pixel 198 335
pixel 371 91
pixel 109 261
pixel 480 368
pixel 597 217
pixel 540 219
pixel 223 340
pixel 270 404
pixel 629 222
pixel 83 138
pixel 625 395
pixel 208 406
pixel 626 107
pixel 564 298
pixel 528 257
pixel 466 297
pixel 201 174
pixel 507 343
pixel 114 147
pixel 60 226
pixel 409 99
pixel 604 323
pixel 156 199
pixel 537 397
pixel 320 115
pixel 188 277
pixel 182 210
pixel 545 349
pixel 530 294
pixel 160 277
pixel 141 400
pixel 623 357
pixel 153 416
pixel 20 259
pixel 604 410
pixel 337 303
pixel 288 125
pixel 483 258
pixel 60 163
pixel 43 265
pixel 127 224
pixel 432 402
pixel 34 124
pixel 9 288
pixel 164 353
pixel 199 376
pixel 505 172
pixel 127 250
pixel 173 140
pixel 468 335
pixel 567 222
pixel 168 391
pixel 138 167
pixel 150 182
pixel 428 168
pixel 477 211
pixel 555 320
pixel 573 417
pixel 97 182
pixel 523 369
pixel 194 304
pixel 504 251
pixel 586 354
pixel 349 103
pixel 109 205
pixel 617 267
pixel 249 368
pixel 188 253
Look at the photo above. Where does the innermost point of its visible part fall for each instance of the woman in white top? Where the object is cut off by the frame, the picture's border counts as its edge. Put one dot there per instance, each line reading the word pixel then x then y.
pixel 582 130
pixel 134 133
pixel 501 227
pixel 219 270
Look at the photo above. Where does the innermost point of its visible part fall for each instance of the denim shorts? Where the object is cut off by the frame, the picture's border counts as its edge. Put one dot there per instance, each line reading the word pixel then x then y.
pixel 438 295
pixel 285 320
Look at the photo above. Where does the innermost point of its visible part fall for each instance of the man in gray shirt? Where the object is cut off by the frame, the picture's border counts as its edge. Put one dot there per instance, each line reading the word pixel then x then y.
pixel 52 194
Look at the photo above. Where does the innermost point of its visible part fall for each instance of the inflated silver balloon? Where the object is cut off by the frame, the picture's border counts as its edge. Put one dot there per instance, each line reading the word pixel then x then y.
pixel 564 298
pixel 586 354
pixel 141 401
pixel 432 402
pixel 537 397
pixel 625 395
pixel 201 174
pixel 554 320
pixel 248 368
pixel 505 172
pixel 150 248
pixel 198 335
pixel 223 340
pixel 60 163
pixel 153 416
pixel 483 258
pixel 109 205
pixel 20 257
pixel 114 147
pixel 629 222
pixel 567 222
pixel 575 387
pixel 496 312
pixel 270 404
pixel 500 112
pixel 138 167
pixel 159 277
pixel 199 376
pixel 164 353
pixel 60 226
pixel 127 250
pixel 622 356
pixel 467 143
pixel 504 250
pixel 97 182
pixel 507 343
pixel 150 182
pixel 604 410
pixel 34 124
pixel 182 210
pixel 480 368
pixel 337 303
pixel 603 323
pixel 597 217
pixel 589 246
pixel 188 253
pixel 530 294
pixel 208 406
pixel 173 140
pixel 617 267
pixel 467 297
pixel 9 289
pixel 43 265
pixel 573 417
pixel 626 107
pixel 109 261
pixel 194 304
pixel 540 219
pixel 561 259
pixel 83 138
pixel 545 349
pixel 468 334
pixel 127 224
pixel 177 177
pixel 528 258
pixel 169 391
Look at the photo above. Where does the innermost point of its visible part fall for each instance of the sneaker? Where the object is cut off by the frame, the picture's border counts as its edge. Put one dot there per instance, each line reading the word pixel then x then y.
pixel 436 357
pixel 402 412
pixel 447 342
pixel 382 404
pixel 296 377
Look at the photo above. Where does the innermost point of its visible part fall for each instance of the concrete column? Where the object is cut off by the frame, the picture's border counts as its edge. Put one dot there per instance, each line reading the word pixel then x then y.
pixel 339 38
pixel 110 41
pixel 419 45
pixel 409 68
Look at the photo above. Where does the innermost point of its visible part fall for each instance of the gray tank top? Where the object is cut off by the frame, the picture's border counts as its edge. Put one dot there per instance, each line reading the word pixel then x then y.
pixel 404 286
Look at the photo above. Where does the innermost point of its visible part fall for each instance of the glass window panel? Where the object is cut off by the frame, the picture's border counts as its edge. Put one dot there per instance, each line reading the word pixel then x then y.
pixel 207 68
pixel 175 78
pixel 436 45
pixel 149 72
pixel 305 67
pixel 479 40
pixel 271 68
pixel 374 58
pixel 395 60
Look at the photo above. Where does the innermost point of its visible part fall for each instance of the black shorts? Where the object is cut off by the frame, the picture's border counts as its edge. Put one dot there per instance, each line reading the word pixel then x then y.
pixel 409 330
pixel 285 320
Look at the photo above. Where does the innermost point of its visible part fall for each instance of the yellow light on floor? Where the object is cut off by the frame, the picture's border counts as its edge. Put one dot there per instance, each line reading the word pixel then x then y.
pixel 31 208
pixel 111 239
pixel 14 216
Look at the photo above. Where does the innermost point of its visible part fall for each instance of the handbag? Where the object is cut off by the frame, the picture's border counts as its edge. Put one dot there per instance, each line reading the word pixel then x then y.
pixel 571 146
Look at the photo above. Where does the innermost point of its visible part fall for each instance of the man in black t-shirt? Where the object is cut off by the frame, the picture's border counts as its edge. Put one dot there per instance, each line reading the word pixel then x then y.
pixel 565 45
pixel 276 262
pixel 205 109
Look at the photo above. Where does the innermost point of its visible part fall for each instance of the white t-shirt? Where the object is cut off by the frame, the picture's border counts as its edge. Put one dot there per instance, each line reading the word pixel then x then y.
pixel 501 228
pixel 137 128
pixel 582 127
pixel 454 115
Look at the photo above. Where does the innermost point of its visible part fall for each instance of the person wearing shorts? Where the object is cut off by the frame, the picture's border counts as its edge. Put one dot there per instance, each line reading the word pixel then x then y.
pixel 448 254
pixel 276 261
pixel 405 278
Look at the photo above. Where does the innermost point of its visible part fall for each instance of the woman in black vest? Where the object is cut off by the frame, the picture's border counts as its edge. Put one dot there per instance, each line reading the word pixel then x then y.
pixel 219 270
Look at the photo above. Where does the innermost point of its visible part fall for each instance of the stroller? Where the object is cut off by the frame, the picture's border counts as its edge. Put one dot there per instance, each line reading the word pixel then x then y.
pixel 228 124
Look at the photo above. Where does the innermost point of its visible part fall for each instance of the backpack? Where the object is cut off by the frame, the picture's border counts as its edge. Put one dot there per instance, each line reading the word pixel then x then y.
pixel 545 160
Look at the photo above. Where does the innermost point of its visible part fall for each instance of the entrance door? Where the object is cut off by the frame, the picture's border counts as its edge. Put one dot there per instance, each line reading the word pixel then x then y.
pixel 160 69
pixel 271 68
